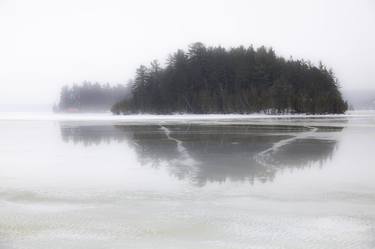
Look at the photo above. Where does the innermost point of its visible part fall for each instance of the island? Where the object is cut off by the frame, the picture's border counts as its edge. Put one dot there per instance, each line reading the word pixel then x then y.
pixel 241 79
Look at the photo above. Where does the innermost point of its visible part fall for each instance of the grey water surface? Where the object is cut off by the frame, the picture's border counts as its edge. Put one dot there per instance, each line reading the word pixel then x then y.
pixel 296 182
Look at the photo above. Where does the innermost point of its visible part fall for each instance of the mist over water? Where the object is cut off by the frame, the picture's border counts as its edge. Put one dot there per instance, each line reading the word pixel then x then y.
pixel 281 182
pixel 263 138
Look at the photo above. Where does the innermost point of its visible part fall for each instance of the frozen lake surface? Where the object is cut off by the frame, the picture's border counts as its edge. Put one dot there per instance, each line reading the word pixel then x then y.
pixel 221 181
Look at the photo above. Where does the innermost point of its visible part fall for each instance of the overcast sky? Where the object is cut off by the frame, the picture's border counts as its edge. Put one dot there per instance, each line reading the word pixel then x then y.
pixel 45 44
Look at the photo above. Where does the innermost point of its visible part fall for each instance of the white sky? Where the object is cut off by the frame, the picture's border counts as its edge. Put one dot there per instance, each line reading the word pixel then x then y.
pixel 45 44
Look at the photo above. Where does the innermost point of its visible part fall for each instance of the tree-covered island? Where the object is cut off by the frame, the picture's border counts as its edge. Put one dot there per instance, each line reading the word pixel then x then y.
pixel 236 80
pixel 214 80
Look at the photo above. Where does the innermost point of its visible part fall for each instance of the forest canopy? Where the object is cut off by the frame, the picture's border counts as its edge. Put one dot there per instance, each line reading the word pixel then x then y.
pixel 236 80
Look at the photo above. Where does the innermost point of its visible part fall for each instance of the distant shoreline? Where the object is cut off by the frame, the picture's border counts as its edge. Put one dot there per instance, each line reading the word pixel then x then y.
pixel 153 118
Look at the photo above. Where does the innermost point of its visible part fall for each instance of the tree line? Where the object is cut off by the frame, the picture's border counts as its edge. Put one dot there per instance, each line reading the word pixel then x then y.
pixel 89 96
pixel 236 80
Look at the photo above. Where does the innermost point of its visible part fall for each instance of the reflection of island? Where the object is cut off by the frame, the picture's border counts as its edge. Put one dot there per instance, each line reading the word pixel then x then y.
pixel 216 153
pixel 90 134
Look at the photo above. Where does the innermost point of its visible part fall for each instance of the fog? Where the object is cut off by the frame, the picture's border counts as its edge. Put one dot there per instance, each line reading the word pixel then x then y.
pixel 45 44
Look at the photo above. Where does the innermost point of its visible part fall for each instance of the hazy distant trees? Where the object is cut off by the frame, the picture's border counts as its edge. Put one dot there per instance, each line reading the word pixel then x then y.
pixel 237 80
pixel 90 96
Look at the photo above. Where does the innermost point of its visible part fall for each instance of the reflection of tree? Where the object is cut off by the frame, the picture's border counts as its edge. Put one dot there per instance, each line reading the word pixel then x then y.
pixel 304 152
pixel 90 134
pixel 214 153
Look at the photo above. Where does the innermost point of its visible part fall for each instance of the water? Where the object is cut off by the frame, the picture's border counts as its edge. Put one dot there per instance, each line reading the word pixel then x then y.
pixel 234 181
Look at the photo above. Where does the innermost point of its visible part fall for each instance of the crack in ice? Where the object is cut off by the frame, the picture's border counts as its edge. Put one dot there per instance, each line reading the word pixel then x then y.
pixel 185 158
pixel 264 156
